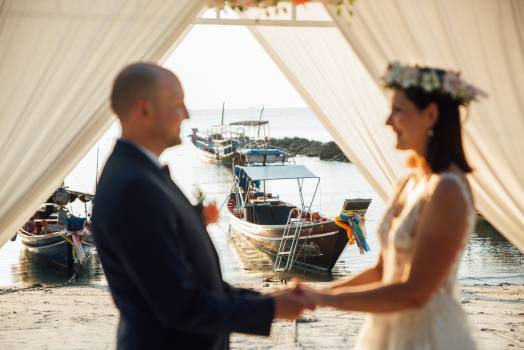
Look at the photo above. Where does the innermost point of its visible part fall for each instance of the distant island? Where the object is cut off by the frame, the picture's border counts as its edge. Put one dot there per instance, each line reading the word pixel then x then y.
pixel 309 148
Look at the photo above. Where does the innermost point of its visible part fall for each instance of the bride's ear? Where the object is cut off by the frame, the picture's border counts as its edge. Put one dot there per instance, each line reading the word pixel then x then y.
pixel 431 114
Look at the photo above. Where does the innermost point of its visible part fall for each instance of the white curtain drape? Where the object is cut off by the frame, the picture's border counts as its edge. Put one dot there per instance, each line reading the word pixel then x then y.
pixel 482 38
pixel 57 62
pixel 59 57
pixel 326 72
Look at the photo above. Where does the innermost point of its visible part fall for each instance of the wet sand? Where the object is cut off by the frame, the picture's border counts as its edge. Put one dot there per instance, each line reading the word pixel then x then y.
pixel 78 317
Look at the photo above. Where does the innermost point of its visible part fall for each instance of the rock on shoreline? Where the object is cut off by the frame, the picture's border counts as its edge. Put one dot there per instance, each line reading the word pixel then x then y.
pixel 311 148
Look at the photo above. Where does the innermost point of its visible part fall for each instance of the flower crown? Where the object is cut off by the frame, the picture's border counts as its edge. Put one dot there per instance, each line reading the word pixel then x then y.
pixel 431 80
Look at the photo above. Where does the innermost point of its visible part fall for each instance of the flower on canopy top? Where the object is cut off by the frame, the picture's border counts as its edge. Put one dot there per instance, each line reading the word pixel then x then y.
pixel 245 4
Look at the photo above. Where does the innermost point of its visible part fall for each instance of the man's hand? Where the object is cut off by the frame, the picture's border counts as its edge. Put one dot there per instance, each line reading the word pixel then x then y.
pixel 210 214
pixel 319 297
pixel 289 304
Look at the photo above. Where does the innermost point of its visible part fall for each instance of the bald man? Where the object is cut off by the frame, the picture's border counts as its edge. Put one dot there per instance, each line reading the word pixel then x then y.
pixel 160 263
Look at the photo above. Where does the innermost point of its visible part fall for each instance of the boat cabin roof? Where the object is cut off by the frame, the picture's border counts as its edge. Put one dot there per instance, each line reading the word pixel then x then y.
pixel 277 172
pixel 250 122
pixel 263 151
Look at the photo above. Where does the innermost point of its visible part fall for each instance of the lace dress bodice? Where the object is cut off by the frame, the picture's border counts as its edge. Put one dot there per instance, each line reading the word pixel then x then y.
pixel 441 323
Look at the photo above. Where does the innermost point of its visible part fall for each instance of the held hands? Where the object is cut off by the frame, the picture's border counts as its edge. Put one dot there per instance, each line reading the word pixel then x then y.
pixel 319 297
pixel 291 302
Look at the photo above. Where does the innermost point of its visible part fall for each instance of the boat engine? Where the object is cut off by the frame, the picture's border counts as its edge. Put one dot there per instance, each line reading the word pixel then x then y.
pixel 61 197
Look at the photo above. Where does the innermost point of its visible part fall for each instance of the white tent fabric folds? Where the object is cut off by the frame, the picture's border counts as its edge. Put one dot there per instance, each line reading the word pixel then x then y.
pixel 57 63
pixel 58 59
pixel 484 39
pixel 331 79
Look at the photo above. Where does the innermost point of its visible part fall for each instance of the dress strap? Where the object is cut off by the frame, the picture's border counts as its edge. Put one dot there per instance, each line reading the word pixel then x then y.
pixel 401 184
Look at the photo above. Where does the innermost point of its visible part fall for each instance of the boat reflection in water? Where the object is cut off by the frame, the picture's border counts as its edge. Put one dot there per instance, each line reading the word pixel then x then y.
pixel 259 265
pixel 30 271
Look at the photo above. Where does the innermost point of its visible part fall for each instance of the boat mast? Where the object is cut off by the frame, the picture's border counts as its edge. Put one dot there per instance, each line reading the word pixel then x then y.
pixel 260 119
pixel 223 106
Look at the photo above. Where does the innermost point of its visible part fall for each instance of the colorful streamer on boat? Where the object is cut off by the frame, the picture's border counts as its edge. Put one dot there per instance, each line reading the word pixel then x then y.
pixel 354 224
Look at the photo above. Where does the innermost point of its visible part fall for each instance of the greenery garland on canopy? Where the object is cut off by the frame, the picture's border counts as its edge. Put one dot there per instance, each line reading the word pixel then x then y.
pixel 242 5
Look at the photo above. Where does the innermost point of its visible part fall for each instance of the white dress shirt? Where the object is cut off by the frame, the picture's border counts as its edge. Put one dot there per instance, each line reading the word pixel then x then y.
pixel 148 153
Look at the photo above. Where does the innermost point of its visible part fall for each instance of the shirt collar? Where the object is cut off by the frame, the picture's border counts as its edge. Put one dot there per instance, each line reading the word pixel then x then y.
pixel 148 153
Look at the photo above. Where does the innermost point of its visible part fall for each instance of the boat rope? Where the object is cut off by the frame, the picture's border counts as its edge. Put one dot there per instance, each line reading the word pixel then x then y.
pixel 354 224
pixel 75 238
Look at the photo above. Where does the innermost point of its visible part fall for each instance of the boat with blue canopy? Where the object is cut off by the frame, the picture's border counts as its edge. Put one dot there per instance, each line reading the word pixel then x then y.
pixel 293 234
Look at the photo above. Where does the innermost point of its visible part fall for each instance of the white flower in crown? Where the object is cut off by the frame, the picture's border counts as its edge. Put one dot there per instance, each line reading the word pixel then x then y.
pixel 430 81
pixel 393 73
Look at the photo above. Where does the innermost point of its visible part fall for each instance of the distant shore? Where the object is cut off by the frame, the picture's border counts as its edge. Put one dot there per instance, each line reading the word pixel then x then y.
pixel 84 317
pixel 311 148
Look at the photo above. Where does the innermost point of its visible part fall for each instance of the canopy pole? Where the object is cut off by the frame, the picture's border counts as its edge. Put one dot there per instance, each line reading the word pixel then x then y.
pixel 314 194
pixel 300 192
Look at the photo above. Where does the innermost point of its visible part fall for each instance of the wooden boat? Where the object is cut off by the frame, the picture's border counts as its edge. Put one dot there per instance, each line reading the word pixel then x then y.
pixel 263 156
pixel 294 235
pixel 219 143
pixel 56 238
pixel 223 143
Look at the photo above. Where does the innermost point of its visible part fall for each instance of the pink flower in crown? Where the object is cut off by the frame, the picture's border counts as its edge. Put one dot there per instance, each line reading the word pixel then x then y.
pixel 451 83
pixel 473 93
pixel 408 77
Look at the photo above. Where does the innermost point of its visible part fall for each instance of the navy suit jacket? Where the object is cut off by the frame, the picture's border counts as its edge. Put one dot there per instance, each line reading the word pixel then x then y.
pixel 161 265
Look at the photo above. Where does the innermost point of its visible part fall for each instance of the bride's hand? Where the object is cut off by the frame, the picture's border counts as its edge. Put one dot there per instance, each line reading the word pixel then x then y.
pixel 319 297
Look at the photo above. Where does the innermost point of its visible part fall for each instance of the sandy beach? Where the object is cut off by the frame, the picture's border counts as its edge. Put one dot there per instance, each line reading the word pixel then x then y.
pixel 78 317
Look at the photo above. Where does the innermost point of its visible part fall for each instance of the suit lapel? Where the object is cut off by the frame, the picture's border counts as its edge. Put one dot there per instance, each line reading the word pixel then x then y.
pixel 167 178
pixel 126 147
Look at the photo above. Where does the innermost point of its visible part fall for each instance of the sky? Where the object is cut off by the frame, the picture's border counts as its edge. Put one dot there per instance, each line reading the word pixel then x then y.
pixel 215 64
pixel 226 63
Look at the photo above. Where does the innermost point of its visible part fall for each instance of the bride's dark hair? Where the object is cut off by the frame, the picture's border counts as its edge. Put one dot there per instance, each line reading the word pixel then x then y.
pixel 445 146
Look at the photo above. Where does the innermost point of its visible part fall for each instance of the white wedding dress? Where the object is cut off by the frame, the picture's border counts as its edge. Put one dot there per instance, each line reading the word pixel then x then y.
pixel 441 323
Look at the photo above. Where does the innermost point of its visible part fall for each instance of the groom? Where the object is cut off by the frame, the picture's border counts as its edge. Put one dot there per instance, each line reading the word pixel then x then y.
pixel 160 263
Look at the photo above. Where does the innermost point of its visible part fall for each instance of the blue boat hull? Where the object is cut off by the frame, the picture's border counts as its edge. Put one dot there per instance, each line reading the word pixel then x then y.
pixel 53 250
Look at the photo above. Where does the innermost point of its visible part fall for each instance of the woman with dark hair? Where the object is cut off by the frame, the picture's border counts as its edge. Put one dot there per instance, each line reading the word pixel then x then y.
pixel 410 295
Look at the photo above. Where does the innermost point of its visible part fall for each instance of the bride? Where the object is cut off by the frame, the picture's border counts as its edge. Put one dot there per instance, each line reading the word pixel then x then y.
pixel 410 295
